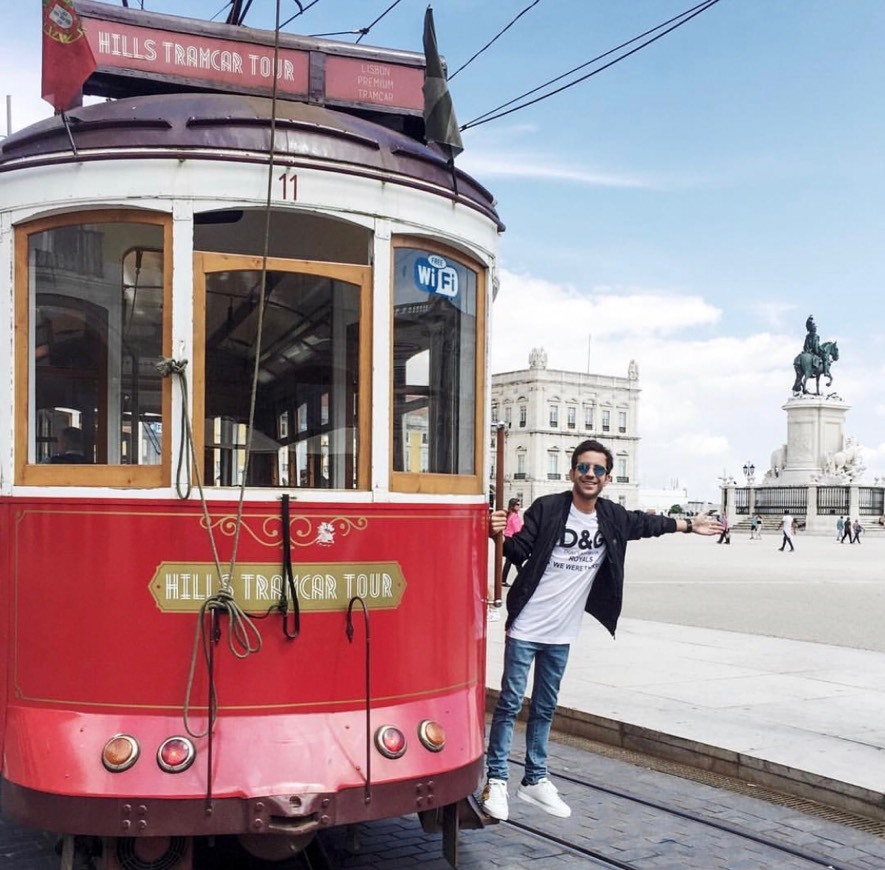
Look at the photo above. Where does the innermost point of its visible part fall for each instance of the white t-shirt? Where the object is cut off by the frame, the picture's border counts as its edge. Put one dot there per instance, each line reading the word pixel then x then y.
pixel 787 525
pixel 553 614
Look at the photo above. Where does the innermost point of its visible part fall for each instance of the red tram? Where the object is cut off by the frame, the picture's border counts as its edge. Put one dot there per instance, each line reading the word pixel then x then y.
pixel 243 505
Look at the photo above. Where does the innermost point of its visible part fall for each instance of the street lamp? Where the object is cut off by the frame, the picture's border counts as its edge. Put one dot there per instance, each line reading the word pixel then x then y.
pixel 749 471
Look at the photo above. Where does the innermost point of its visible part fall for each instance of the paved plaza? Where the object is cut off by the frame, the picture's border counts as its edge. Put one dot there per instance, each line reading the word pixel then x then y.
pixel 824 592
pixel 776 658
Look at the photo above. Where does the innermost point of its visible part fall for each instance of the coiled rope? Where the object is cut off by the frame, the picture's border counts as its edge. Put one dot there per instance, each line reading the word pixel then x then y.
pixel 243 638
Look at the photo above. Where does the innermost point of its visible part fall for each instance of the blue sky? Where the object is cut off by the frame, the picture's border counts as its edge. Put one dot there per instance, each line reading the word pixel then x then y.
pixel 687 208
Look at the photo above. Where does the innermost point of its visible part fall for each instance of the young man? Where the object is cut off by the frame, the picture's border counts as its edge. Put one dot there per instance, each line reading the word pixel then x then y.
pixel 788 527
pixel 571 549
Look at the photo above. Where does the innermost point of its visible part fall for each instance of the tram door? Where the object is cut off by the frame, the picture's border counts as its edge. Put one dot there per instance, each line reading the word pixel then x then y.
pixel 306 323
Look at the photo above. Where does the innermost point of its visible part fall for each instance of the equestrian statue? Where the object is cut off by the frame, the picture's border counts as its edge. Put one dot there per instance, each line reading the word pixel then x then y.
pixel 814 360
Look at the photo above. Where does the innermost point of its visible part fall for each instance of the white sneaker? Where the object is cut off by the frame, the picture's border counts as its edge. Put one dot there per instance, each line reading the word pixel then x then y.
pixel 494 799
pixel 543 794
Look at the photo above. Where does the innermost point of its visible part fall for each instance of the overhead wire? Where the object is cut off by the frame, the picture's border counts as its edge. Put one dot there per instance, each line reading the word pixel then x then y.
pixel 682 18
pixel 301 10
pixel 221 11
pixel 242 15
pixel 365 30
pixel 492 40
pixel 593 60
pixel 362 31
pixel 234 14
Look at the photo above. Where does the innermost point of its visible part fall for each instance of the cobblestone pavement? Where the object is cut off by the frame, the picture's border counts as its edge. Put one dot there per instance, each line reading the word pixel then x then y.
pixel 633 833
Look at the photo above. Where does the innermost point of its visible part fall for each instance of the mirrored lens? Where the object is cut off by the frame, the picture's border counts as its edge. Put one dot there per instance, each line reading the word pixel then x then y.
pixel 586 468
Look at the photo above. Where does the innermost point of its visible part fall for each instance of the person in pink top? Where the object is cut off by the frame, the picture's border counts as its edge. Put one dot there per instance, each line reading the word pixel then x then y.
pixel 514 524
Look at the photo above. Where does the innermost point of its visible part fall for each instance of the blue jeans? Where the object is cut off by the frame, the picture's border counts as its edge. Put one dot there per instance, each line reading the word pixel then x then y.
pixel 550 660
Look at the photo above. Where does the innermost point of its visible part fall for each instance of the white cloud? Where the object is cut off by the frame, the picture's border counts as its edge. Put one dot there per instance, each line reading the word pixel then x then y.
pixel 710 402
pixel 544 167
pixel 773 313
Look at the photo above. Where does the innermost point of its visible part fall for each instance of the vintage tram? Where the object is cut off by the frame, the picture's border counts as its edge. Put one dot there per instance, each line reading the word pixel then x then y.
pixel 243 559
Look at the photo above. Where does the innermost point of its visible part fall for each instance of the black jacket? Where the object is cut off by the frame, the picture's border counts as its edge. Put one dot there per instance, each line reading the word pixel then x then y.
pixel 544 524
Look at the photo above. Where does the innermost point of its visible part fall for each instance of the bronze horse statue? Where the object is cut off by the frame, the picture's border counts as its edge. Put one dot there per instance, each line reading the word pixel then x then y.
pixel 808 365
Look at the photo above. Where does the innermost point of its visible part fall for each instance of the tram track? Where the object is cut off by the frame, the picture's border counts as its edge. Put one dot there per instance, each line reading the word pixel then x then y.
pixel 599 858
pixel 777 847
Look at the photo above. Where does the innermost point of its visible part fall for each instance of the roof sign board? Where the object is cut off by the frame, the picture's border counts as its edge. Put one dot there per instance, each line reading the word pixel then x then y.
pixel 140 52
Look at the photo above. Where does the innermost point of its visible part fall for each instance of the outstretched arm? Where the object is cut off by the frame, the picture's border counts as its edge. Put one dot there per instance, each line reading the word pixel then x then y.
pixel 700 525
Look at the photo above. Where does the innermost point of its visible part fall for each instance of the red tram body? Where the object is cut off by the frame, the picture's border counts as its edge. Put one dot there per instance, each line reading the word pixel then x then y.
pixel 243 557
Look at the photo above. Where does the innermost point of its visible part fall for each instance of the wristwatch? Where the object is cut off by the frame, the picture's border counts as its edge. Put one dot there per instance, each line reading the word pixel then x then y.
pixel 687 526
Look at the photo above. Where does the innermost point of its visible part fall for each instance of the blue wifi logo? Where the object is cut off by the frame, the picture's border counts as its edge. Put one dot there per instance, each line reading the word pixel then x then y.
pixel 433 274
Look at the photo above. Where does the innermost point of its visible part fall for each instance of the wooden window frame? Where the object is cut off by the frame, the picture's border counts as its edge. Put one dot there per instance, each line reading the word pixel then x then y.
pixel 206 262
pixel 38 474
pixel 434 482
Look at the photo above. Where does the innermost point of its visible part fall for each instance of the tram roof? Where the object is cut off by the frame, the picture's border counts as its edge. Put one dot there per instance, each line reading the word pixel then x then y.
pixel 213 125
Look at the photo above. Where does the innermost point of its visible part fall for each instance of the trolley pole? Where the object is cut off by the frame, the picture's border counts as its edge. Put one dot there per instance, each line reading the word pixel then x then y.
pixel 499 505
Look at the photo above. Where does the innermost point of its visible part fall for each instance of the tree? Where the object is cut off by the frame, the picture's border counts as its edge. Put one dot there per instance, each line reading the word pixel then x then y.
pixel 675 509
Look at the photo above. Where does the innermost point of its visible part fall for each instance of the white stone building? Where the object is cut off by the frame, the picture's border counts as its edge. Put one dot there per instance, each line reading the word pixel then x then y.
pixel 547 413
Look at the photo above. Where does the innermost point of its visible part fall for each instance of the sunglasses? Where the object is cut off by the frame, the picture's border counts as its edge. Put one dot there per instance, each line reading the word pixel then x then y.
pixel 586 468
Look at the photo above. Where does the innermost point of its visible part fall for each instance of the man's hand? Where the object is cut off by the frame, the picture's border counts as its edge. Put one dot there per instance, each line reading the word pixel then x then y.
pixel 497 521
pixel 706 525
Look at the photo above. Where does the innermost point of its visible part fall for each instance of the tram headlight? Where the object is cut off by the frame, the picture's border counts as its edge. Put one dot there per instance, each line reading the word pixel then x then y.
pixel 432 735
pixel 120 753
pixel 390 741
pixel 176 754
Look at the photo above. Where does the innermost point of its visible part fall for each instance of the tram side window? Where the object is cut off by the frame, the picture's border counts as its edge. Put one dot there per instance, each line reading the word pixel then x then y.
pixel 95 321
pixel 434 364
pixel 305 431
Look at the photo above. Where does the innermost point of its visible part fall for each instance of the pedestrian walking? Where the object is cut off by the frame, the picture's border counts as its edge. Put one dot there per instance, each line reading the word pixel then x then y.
pixel 858 528
pixel 788 526
pixel 754 527
pixel 571 552
pixel 846 532
pixel 840 527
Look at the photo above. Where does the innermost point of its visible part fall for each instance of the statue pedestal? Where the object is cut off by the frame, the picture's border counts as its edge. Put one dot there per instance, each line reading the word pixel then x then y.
pixel 815 430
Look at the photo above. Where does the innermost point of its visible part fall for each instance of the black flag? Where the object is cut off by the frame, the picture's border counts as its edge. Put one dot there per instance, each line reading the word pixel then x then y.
pixel 440 124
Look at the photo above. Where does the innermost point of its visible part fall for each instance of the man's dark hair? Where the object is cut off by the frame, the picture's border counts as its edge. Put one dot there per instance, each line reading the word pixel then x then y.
pixel 593 447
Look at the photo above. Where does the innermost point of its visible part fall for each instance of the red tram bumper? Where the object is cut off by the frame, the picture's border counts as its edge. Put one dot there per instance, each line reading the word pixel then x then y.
pixel 289 815
pixel 282 774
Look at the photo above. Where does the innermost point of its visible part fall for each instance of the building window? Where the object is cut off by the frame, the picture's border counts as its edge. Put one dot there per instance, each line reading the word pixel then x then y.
pixel 522 416
pixel 622 422
pixel 606 421
pixel 520 465
pixel 552 465
pixel 508 415
pixel 588 417
pixel 554 416
pixel 494 412
pixel 572 413
pixel 622 470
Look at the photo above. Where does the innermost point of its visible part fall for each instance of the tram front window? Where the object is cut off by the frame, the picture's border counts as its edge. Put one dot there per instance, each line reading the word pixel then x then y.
pixel 306 394
pixel 434 364
pixel 95 321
